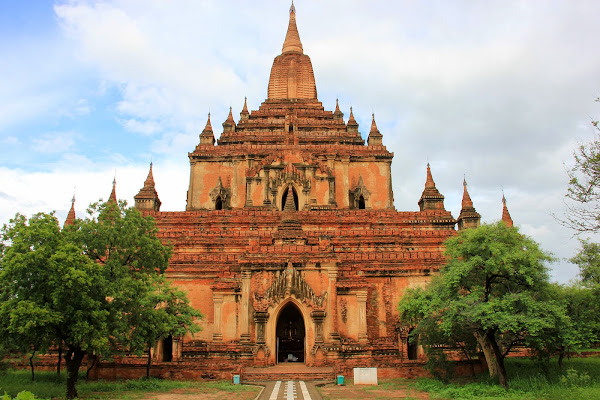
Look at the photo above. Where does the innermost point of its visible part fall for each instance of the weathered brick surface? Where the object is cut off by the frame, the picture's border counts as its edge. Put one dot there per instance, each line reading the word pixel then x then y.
pixel 338 252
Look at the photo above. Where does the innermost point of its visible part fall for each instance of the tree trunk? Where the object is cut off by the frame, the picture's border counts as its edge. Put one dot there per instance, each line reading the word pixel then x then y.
pixel 73 360
pixel 493 356
pixel 60 349
pixel 561 356
pixel 87 373
pixel 149 362
pixel 31 364
pixel 502 378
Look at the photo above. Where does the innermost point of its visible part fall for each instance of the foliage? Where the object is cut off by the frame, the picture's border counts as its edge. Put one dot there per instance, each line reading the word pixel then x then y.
pixel 580 381
pixel 48 385
pixel 84 285
pixel 157 311
pixel 24 395
pixel 493 288
pixel 583 205
pixel 588 260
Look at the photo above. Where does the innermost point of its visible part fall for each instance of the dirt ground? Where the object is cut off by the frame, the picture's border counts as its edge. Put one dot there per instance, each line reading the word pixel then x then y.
pixel 331 391
pixel 195 394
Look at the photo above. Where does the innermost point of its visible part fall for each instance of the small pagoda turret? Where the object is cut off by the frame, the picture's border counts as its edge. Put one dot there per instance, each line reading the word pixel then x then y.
pixel 207 136
pixel 147 198
pixel 375 137
pixel 469 217
pixel 431 198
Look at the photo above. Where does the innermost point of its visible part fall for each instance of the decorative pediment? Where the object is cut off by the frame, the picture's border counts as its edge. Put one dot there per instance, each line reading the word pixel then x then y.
pixel 290 282
pixel 268 160
pixel 321 166
pixel 290 175
pixel 220 191
pixel 360 190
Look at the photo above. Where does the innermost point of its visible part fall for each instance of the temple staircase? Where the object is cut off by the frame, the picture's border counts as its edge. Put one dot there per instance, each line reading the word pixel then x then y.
pixel 287 372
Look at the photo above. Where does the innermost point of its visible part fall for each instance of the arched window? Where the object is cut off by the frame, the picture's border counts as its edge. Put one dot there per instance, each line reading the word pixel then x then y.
pixel 218 203
pixel 361 203
pixel 285 195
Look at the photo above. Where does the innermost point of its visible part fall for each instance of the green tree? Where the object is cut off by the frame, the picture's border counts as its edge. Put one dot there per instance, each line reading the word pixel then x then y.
pixel 161 311
pixel 583 204
pixel 49 289
pixel 85 289
pixel 588 260
pixel 493 287
pixel 25 317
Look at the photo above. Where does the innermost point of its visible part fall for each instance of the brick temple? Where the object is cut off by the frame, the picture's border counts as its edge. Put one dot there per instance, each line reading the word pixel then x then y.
pixel 290 244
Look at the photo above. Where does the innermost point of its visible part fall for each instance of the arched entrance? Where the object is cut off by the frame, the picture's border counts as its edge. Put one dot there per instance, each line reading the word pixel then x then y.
pixel 284 197
pixel 290 334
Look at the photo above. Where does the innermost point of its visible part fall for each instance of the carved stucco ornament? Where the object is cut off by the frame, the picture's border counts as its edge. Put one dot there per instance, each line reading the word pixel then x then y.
pixel 289 282
pixel 360 190
pixel 288 175
pixel 220 191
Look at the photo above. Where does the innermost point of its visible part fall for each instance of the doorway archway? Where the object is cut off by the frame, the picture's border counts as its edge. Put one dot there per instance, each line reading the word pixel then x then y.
pixel 284 197
pixel 290 334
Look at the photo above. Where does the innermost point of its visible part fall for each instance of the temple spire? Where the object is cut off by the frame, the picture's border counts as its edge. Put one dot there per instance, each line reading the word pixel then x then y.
pixel 113 193
pixel 375 137
pixel 147 198
pixel 292 38
pixel 207 136
pixel 505 214
pixel 229 124
pixel 244 113
pixel 149 182
pixel 431 198
pixel 338 114
pixel 429 183
pixel 352 125
pixel 71 215
pixel 466 200
pixel 469 217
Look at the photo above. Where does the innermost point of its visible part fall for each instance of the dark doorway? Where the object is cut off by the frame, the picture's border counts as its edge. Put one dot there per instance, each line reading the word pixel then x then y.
pixel 361 203
pixel 284 198
pixel 218 203
pixel 167 349
pixel 413 345
pixel 290 335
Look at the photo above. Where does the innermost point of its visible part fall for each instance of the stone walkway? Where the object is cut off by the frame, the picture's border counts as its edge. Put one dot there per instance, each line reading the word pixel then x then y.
pixel 289 390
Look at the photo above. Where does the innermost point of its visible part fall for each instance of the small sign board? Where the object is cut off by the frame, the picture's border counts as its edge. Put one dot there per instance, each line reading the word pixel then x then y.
pixel 365 376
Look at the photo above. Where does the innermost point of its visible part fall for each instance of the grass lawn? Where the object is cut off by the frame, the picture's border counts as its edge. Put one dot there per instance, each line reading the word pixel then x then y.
pixel 48 386
pixel 579 379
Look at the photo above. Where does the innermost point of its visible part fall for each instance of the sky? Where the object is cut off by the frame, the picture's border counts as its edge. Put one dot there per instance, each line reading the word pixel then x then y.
pixel 498 92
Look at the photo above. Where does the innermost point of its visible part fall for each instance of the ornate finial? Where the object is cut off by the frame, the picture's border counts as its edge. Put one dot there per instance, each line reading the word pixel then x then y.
pixel 429 183
pixel 292 38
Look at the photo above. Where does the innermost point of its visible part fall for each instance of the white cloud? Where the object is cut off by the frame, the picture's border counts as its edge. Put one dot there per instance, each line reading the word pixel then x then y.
pixel 54 142
pixel 499 91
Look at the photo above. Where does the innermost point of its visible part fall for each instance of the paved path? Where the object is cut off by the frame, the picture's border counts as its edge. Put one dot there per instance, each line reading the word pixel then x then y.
pixel 289 390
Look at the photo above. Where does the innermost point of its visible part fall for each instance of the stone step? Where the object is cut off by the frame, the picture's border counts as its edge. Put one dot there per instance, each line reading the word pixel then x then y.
pixel 278 373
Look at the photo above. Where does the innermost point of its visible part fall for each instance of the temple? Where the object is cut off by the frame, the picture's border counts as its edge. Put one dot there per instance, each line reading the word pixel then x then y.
pixel 290 244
